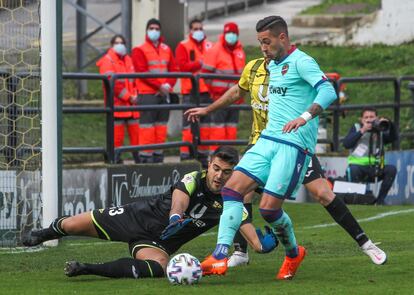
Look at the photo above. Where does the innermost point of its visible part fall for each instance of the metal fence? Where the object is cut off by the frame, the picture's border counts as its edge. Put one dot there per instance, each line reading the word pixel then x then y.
pixel 111 153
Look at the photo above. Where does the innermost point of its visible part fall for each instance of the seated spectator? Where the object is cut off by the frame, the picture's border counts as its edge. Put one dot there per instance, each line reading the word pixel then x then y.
pixel 366 159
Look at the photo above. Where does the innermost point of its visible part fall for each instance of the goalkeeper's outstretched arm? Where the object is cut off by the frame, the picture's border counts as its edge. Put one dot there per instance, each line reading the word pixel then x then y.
pixel 259 242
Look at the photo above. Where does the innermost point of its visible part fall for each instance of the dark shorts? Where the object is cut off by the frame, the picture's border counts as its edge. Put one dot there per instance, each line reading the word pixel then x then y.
pixel 134 224
pixel 314 171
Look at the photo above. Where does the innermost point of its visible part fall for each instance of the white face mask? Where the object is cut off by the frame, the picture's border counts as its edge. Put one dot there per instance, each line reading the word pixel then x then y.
pixel 153 35
pixel 198 35
pixel 120 49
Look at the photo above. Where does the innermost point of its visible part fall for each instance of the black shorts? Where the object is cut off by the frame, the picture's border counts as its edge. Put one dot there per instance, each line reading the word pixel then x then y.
pixel 314 171
pixel 134 223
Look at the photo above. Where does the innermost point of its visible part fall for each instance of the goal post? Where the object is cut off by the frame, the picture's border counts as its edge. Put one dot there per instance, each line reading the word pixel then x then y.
pixel 51 81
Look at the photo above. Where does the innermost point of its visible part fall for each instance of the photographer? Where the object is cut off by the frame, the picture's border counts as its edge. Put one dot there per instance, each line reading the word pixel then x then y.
pixel 366 141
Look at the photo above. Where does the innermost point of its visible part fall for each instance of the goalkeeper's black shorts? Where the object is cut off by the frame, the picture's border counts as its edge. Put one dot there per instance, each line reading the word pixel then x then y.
pixel 137 224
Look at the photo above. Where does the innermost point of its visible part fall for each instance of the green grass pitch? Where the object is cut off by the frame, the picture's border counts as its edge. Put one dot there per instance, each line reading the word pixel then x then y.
pixel 334 264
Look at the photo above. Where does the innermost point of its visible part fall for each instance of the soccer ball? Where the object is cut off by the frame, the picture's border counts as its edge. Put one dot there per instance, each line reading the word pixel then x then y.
pixel 184 269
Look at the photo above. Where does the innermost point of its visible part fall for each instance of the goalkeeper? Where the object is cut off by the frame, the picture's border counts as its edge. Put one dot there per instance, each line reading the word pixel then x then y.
pixel 156 227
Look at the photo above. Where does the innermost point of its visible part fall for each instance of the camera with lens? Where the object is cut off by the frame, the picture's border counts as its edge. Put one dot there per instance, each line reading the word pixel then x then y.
pixel 380 125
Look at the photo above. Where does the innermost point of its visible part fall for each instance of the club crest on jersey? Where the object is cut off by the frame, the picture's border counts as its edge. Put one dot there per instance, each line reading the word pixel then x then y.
pixel 285 69
pixel 217 205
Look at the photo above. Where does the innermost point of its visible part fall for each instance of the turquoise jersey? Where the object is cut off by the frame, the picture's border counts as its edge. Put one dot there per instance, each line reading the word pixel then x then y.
pixel 292 89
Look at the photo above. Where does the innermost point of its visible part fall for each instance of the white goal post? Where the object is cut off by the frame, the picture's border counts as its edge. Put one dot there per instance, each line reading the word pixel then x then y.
pixel 51 109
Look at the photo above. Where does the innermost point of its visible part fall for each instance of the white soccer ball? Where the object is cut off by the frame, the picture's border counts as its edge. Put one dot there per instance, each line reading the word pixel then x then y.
pixel 184 269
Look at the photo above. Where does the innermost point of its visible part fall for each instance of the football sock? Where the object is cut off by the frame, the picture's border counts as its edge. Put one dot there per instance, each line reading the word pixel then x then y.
pixel 221 251
pixel 56 226
pixel 283 227
pixel 125 268
pixel 240 243
pixel 341 214
pixel 230 219
pixel 54 231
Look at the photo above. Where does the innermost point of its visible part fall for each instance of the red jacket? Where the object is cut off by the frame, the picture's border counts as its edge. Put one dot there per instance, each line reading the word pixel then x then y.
pixel 222 59
pixel 111 63
pixel 189 55
pixel 148 58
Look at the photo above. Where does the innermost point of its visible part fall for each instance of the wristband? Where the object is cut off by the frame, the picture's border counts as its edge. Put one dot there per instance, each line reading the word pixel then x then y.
pixel 306 116
pixel 175 217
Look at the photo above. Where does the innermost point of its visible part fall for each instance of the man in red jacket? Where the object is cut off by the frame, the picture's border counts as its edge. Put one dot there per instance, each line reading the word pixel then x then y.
pixel 153 56
pixel 189 56
pixel 226 57
pixel 116 61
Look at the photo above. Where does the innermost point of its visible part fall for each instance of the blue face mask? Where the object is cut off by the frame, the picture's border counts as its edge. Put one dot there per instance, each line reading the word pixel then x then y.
pixel 153 35
pixel 231 38
pixel 198 35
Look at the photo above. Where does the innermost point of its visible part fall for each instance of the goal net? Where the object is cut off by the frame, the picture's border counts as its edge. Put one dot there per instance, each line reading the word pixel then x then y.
pixel 20 132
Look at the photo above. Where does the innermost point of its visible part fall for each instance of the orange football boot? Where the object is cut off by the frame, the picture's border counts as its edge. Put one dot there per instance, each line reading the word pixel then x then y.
pixel 291 265
pixel 213 266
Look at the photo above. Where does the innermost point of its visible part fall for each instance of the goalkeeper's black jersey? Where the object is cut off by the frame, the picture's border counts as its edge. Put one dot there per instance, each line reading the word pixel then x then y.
pixel 145 219
pixel 205 208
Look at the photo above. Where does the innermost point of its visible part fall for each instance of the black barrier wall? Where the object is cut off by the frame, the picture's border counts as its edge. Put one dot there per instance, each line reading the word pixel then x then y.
pixel 86 189
pixel 127 184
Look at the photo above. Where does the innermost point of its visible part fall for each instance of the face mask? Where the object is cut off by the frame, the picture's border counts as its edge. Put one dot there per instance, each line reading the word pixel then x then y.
pixel 120 49
pixel 153 35
pixel 231 38
pixel 198 35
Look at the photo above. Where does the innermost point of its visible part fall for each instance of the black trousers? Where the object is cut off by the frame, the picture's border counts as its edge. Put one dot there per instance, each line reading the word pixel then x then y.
pixel 360 173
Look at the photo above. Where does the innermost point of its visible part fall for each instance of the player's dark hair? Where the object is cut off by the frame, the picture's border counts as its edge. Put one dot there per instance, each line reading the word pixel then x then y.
pixel 368 109
pixel 275 24
pixel 116 37
pixel 194 21
pixel 227 154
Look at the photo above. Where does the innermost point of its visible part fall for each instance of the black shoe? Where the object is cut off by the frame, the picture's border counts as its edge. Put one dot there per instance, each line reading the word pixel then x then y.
pixel 158 158
pixel 146 159
pixel 74 268
pixel 185 157
pixel 33 238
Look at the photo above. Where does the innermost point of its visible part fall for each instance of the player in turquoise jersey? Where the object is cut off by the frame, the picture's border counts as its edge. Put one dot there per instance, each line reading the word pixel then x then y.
pixel 298 94
pixel 295 83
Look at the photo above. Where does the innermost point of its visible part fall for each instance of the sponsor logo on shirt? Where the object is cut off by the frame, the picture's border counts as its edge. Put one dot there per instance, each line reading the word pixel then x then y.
pixel 262 97
pixel 260 106
pixel 278 90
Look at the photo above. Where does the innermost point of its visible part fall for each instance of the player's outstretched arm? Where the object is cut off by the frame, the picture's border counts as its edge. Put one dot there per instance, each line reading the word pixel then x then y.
pixel 180 202
pixel 229 97
pixel 259 242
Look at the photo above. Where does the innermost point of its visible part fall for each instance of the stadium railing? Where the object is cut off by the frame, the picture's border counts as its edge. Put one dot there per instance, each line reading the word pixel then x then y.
pixel 111 153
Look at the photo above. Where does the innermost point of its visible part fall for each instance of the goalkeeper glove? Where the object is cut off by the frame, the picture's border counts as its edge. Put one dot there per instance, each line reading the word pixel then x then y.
pixel 269 240
pixel 176 224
